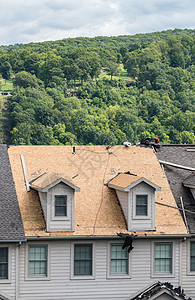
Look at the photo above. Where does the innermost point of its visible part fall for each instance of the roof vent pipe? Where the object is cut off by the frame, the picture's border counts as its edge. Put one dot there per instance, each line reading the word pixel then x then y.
pixel 25 173
pixel 74 150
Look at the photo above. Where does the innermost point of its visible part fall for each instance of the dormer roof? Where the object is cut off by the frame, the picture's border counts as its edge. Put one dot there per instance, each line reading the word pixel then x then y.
pixel 124 182
pixel 190 181
pixel 47 181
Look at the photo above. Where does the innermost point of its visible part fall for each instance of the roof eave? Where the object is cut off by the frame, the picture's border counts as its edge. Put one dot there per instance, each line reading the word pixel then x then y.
pixel 45 190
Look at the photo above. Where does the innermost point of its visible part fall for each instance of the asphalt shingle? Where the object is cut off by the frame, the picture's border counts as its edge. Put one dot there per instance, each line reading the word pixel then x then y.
pixel 183 155
pixel 11 227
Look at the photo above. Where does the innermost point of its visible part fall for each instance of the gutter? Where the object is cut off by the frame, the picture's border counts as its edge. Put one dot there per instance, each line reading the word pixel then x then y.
pixel 13 241
pixel 101 237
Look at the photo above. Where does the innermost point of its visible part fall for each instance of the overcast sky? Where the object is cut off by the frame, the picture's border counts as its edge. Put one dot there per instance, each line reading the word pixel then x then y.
pixel 24 21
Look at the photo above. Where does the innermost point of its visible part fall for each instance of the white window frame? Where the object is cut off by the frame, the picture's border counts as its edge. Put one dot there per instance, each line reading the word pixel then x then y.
pixel 140 217
pixel 66 201
pixel 109 274
pixel 159 275
pixel 10 249
pixel 189 272
pixel 68 204
pixel 37 276
pixel 83 277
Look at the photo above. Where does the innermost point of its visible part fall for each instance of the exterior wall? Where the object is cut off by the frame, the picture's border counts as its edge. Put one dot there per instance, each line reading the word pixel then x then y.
pixel 188 278
pixel 8 287
pixel 43 199
pixel 141 222
pixel 61 285
pixel 60 223
pixel 123 198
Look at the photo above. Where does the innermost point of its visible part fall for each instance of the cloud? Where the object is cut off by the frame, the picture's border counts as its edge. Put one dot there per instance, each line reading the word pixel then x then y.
pixel 33 20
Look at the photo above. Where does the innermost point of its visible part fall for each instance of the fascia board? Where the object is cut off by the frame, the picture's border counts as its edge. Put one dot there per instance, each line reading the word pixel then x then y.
pixel 116 187
pixel 45 190
pixel 191 186
pixel 142 179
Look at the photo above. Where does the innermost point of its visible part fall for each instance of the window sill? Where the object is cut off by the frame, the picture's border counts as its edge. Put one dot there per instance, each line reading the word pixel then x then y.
pixel 39 278
pixel 141 217
pixel 190 273
pixel 163 275
pixel 5 281
pixel 83 277
pixel 118 276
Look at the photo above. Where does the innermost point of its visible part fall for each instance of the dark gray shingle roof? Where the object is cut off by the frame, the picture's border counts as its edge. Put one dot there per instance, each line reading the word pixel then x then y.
pixel 180 154
pixel 11 227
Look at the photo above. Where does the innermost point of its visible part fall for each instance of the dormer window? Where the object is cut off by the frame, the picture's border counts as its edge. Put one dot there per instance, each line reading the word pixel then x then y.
pixel 137 198
pixel 61 206
pixel 141 205
pixel 57 199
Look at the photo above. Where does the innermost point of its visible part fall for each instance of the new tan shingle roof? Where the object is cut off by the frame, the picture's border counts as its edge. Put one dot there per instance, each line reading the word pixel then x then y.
pixel 125 181
pixel 45 181
pixel 97 211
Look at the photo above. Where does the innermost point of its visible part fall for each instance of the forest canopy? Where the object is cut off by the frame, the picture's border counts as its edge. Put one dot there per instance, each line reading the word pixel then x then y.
pixel 102 90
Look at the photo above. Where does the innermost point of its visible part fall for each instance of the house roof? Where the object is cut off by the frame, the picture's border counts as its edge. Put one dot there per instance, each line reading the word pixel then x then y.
pixel 97 210
pixel 11 227
pixel 158 289
pixel 190 180
pixel 125 181
pixel 182 155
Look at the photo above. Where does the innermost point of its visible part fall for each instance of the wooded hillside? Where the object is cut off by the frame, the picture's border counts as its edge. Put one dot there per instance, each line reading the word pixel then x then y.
pixel 102 90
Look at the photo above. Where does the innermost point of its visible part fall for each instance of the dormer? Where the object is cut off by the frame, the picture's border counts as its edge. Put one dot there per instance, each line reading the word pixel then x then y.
pixel 137 199
pixel 56 195
pixel 189 182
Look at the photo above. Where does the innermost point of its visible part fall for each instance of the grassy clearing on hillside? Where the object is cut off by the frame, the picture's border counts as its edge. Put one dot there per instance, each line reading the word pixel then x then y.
pixel 6 87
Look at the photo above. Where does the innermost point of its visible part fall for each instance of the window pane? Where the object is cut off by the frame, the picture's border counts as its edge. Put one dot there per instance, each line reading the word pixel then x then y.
pixel 38 260
pixel 3 255
pixel 119 266
pixel 119 260
pixel 192 256
pixel 83 267
pixel 37 253
pixel 83 259
pixel 4 263
pixel 61 205
pixel 163 258
pixel 118 252
pixel 141 205
pixel 38 267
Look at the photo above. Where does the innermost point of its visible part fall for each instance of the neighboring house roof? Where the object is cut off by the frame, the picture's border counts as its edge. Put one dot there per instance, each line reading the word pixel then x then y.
pixel 182 155
pixel 11 227
pixel 190 180
pixel 125 182
pixel 158 290
pixel 97 210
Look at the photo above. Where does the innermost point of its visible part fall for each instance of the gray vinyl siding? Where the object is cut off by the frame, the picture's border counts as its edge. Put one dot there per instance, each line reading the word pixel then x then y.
pixel 60 284
pixel 188 278
pixel 9 289
pixel 123 198
pixel 43 199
